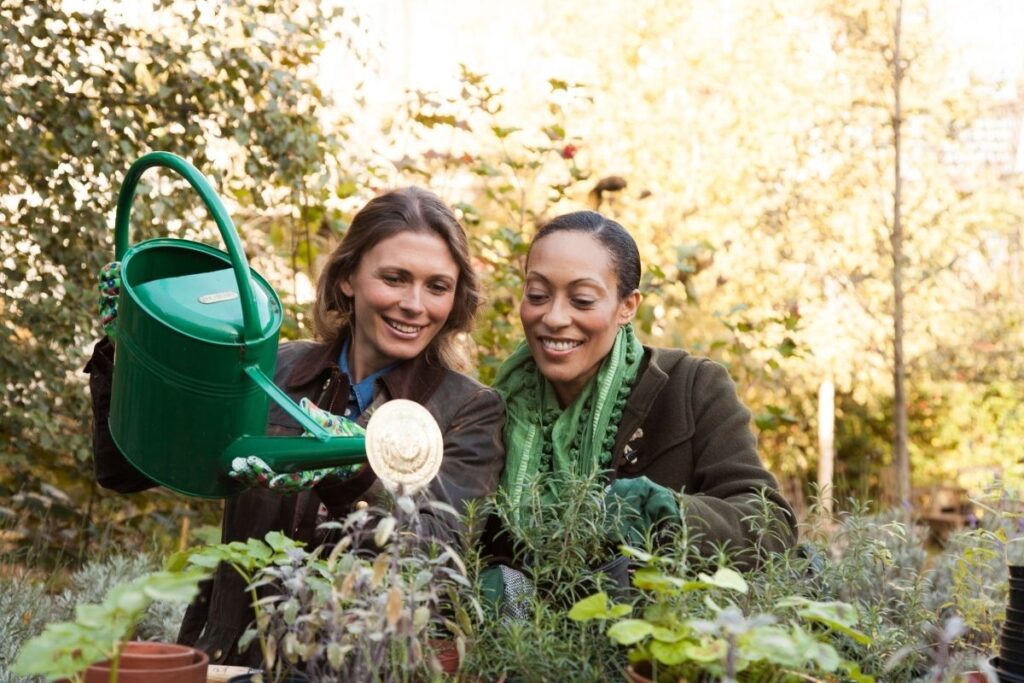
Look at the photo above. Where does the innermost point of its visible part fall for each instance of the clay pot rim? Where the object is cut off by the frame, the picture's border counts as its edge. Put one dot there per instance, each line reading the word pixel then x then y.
pixel 154 651
pixel 199 659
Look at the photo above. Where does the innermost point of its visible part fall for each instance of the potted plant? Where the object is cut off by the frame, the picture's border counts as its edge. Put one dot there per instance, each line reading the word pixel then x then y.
pixel 380 606
pixel 95 646
pixel 678 637
pixel 570 549
pixel 248 559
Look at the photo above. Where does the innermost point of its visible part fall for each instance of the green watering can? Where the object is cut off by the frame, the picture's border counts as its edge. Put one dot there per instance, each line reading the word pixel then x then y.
pixel 196 349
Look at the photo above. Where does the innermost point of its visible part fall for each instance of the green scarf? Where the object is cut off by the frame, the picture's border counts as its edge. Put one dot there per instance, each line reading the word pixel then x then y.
pixel 540 436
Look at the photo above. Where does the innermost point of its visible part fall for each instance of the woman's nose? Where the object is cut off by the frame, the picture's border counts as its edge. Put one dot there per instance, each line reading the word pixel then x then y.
pixel 557 316
pixel 412 302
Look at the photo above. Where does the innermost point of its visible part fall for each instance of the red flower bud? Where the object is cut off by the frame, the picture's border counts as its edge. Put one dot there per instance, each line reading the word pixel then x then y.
pixel 569 151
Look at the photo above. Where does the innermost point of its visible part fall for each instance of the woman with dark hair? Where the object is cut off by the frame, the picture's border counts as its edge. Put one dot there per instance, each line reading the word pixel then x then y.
pixel 390 302
pixel 583 395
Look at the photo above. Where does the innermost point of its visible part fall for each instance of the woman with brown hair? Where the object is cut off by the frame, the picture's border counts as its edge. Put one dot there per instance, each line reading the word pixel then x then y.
pixel 390 302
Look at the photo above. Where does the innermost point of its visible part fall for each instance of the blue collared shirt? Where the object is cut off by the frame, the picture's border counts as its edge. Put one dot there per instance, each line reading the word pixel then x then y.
pixel 360 396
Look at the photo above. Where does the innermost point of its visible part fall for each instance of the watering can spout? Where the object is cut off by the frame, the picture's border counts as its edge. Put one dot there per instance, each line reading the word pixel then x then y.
pixel 293 454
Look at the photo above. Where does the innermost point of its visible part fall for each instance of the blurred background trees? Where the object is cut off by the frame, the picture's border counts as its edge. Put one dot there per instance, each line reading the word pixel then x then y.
pixel 749 147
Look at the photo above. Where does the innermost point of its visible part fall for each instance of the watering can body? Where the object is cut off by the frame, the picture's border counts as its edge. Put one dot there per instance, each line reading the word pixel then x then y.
pixel 196 350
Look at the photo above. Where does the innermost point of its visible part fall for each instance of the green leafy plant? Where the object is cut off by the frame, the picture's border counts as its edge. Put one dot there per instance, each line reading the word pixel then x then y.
pixel 378 607
pixel 563 546
pixel 247 559
pixel 98 631
pixel 564 549
pixel 678 638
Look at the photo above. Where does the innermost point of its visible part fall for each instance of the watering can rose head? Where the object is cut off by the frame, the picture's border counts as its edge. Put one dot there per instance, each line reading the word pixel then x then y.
pixel 404 445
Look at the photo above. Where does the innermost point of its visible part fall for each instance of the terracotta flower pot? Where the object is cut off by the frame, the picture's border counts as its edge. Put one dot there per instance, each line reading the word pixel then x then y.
pixel 154 663
pixel 139 654
pixel 447 653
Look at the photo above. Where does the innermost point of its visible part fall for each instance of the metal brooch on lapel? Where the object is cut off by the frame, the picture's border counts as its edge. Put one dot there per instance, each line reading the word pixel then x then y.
pixel 629 452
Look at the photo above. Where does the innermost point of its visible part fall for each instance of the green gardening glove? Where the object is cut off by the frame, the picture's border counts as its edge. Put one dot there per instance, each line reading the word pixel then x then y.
pixel 637 507
pixel 110 289
pixel 254 472
pixel 507 591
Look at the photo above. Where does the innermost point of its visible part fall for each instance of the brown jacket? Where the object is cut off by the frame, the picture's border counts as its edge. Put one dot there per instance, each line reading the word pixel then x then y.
pixel 471 418
pixel 684 427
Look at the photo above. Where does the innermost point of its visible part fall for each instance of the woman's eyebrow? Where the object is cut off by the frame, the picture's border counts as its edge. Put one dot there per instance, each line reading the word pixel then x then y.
pixel 405 272
pixel 578 281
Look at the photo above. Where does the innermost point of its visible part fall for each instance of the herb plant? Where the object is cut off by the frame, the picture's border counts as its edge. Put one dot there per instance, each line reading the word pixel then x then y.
pixel 98 631
pixel 680 638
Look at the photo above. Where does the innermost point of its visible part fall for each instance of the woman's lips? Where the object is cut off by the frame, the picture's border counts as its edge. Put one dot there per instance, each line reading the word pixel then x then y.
pixel 404 330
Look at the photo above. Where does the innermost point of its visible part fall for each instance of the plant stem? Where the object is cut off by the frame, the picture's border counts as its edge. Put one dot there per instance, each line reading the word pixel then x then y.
pixel 115 662
pixel 259 631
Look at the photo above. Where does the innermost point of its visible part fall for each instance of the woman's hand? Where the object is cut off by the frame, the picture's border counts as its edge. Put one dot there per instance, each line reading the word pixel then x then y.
pixel 637 507
pixel 254 471
pixel 110 289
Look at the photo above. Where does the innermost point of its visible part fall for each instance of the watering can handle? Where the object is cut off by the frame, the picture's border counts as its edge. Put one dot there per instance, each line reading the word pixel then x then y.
pixel 250 320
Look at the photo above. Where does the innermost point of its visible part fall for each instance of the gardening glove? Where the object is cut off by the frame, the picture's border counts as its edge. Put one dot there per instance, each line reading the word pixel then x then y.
pixel 637 506
pixel 507 591
pixel 110 289
pixel 253 471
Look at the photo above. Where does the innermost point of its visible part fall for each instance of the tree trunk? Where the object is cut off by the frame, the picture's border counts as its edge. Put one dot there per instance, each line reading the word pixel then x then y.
pixel 826 442
pixel 901 452
pixel 1016 292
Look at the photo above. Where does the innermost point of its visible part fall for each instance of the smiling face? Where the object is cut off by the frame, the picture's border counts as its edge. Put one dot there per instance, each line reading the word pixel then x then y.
pixel 571 310
pixel 403 291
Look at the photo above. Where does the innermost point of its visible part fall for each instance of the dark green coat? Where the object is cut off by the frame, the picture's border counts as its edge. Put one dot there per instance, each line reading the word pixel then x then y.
pixel 685 428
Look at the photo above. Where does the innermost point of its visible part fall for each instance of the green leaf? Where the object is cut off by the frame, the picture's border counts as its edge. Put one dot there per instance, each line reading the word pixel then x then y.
pixel 649 578
pixel 205 559
pixel 279 542
pixel 704 652
pixel 503 133
pixel 787 348
pixel 838 616
pixel 555 132
pixel 172 586
pixel 597 607
pixel 669 635
pixel 726 578
pixel 177 561
pixel 852 670
pixel 629 631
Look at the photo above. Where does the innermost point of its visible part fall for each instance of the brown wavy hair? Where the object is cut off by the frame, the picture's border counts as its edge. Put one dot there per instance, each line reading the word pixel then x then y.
pixel 409 208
